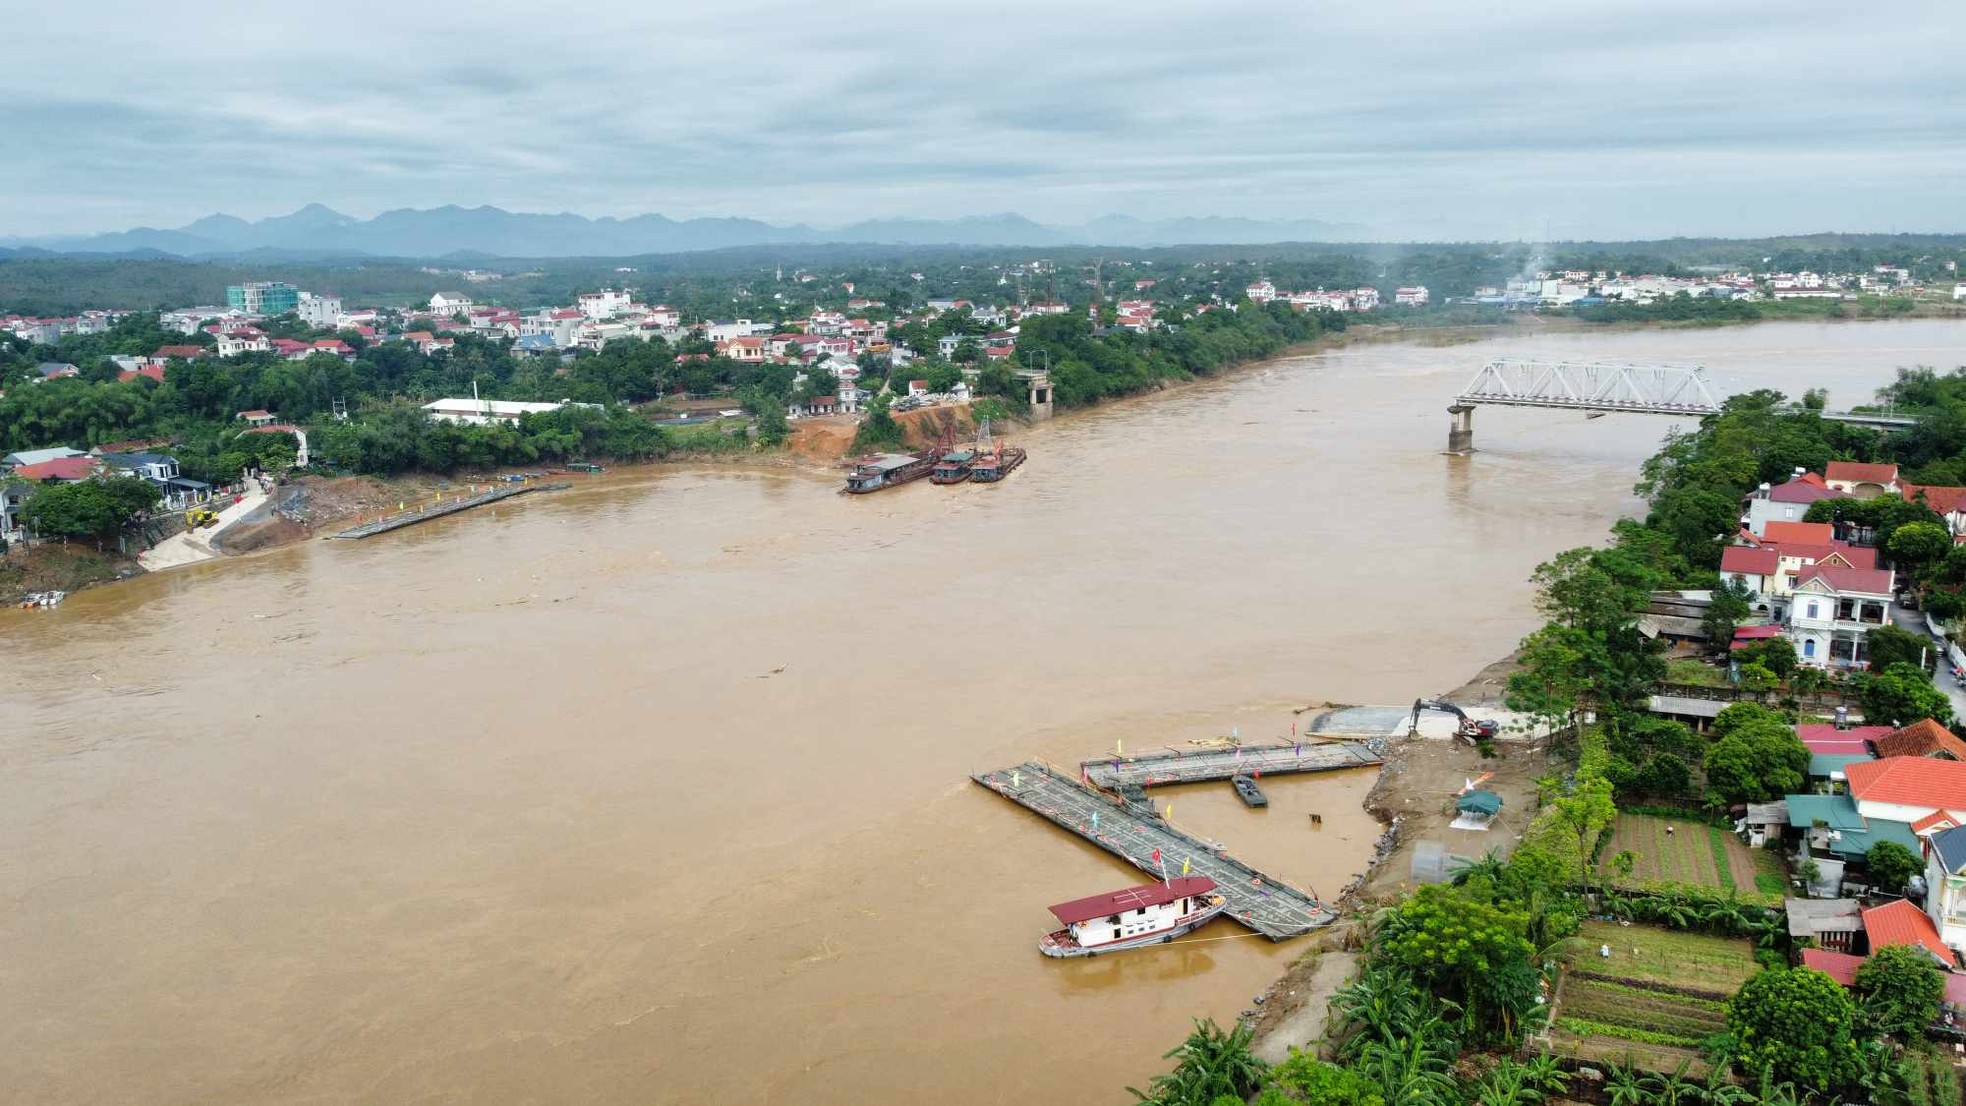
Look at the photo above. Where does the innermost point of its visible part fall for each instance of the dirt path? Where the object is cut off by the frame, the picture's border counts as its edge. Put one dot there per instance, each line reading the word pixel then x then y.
pixel 1303 1009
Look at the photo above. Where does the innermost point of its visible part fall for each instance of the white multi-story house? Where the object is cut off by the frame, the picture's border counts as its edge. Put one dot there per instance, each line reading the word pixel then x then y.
pixel 1415 296
pixel 242 341
pixel 1261 292
pixel 1832 609
pixel 449 303
pixel 604 304
pixel 321 311
pixel 741 328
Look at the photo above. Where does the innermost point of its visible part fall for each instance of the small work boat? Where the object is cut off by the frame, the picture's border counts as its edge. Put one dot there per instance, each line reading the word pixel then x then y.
pixel 1149 914
pixel 1250 794
pixel 42 598
pixel 953 468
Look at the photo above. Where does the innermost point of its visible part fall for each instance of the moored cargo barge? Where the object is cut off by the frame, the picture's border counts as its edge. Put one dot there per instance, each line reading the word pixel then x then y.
pixel 992 467
pixel 885 470
pixel 953 468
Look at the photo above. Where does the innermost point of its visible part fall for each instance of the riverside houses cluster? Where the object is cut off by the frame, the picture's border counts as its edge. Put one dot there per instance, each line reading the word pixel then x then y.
pixel 1584 288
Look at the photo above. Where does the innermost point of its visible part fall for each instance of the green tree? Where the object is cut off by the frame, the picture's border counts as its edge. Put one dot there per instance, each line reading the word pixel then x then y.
pixel 1554 674
pixel 1795 1024
pixel 1458 944
pixel 1903 694
pixel 1728 609
pixel 1888 645
pixel 1304 1080
pixel 1892 865
pixel 878 430
pixel 1585 814
pixel 1917 547
pixel 88 508
pixel 1758 678
pixel 1756 762
pixel 1898 990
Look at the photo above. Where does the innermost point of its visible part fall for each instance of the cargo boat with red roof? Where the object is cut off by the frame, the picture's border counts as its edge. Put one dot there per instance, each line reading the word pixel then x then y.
pixel 1132 918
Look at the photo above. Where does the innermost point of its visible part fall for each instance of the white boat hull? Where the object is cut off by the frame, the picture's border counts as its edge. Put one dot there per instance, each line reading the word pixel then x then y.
pixel 1060 944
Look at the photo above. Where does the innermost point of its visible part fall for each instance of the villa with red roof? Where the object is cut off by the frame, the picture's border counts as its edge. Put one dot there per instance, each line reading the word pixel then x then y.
pixel 1787 502
pixel 1865 481
pixel 1833 608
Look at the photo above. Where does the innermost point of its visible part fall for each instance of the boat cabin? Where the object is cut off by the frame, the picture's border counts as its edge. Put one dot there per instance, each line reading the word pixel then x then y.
pixel 878 471
pixel 1135 912
pixel 953 468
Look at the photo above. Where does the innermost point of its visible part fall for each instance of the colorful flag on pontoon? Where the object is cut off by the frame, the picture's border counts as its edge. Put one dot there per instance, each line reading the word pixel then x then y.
pixel 1184 865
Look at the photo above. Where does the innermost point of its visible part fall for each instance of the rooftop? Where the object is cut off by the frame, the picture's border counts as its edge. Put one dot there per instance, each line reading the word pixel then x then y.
pixel 1901 923
pixel 1923 738
pixel 1857 472
pixel 1133 898
pixel 1910 781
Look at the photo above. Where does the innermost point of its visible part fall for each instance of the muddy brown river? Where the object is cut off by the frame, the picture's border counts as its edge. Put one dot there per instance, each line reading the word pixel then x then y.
pixel 656 790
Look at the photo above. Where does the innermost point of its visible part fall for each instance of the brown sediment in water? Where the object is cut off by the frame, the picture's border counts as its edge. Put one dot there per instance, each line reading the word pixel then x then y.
pixel 656 789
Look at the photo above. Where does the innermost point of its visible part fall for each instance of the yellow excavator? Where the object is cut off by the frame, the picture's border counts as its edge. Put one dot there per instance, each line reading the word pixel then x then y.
pixel 200 516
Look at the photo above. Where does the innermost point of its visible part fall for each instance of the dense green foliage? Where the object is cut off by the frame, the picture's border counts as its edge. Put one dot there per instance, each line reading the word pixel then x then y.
pixel 89 508
pixel 1891 866
pixel 1210 1063
pixel 1898 990
pixel 1795 1023
pixel 1903 694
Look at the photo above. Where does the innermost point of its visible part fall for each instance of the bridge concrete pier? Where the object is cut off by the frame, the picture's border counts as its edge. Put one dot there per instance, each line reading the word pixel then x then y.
pixel 1460 432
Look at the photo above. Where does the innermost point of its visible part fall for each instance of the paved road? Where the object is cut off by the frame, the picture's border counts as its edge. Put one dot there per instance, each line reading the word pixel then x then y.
pixel 193 546
pixel 1914 621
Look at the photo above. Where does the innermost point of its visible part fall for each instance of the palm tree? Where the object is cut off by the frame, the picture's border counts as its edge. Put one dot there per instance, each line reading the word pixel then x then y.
pixel 1546 1075
pixel 1210 1064
pixel 1625 1085
pixel 1489 867
pixel 1508 1084
pixel 1671 1089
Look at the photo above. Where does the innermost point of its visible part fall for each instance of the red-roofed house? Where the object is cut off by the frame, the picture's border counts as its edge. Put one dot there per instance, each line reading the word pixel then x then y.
pixel 1949 502
pixel 61 470
pixel 1831 611
pixel 1906 789
pixel 257 417
pixel 1801 533
pixel 1859 479
pixel 152 372
pixel 1842 967
pixel 1827 734
pixel 1901 923
pixel 1923 738
pixel 1755 569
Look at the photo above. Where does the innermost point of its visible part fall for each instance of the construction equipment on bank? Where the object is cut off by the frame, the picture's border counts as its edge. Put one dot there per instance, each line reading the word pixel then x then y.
pixel 1466 729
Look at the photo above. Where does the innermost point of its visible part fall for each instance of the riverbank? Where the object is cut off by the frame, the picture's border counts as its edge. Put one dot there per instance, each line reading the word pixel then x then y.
pixel 1413 798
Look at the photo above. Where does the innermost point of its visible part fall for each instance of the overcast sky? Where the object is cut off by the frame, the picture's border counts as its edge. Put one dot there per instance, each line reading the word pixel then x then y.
pixel 1419 119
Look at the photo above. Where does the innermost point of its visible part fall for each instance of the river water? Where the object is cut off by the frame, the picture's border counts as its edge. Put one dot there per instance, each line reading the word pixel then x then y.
pixel 656 790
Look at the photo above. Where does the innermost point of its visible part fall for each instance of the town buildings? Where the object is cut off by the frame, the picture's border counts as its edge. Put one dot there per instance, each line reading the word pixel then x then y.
pixel 262 298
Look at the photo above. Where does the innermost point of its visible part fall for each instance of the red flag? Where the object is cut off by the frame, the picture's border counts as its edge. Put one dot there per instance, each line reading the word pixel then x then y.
pixel 1157 856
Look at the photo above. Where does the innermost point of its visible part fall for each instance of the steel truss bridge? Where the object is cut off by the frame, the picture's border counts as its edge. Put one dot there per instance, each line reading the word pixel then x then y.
pixel 1603 388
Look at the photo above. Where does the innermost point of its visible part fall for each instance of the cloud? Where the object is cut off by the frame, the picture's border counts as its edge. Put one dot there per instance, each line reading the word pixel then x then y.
pixel 1616 119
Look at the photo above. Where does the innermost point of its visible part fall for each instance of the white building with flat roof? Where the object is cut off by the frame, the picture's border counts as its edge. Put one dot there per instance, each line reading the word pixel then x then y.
pixel 479 412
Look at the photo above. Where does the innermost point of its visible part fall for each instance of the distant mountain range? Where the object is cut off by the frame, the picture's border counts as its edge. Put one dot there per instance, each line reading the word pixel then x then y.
pixel 489 231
